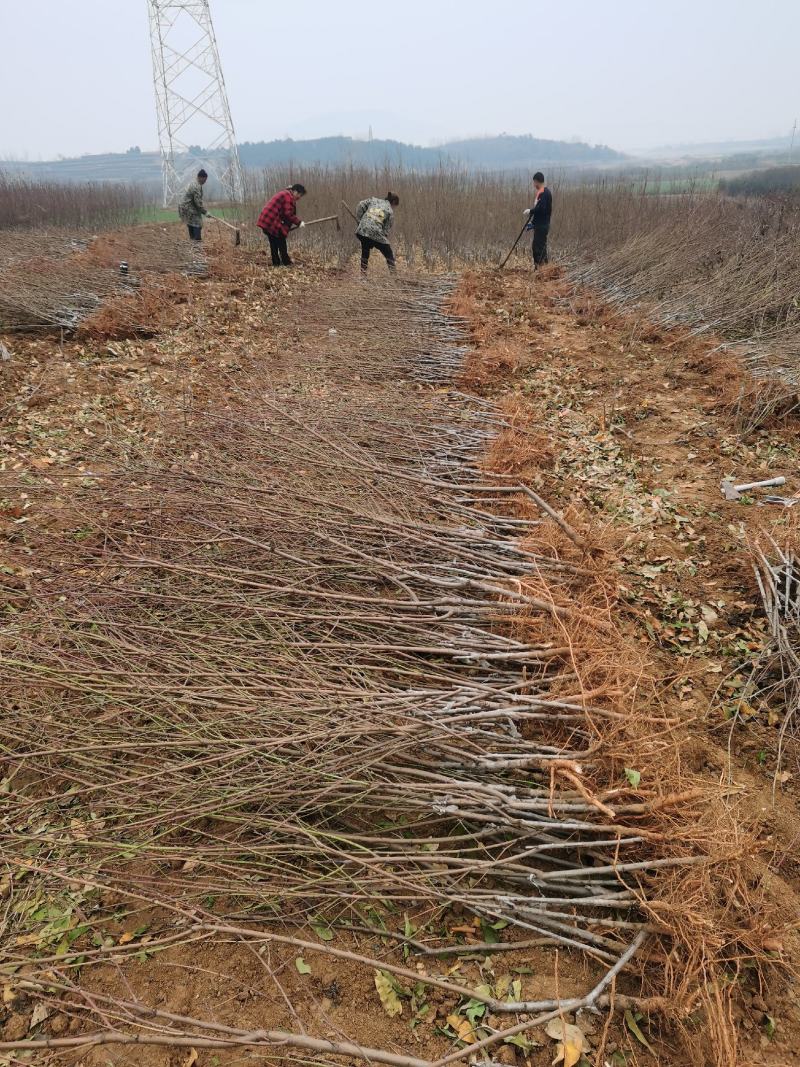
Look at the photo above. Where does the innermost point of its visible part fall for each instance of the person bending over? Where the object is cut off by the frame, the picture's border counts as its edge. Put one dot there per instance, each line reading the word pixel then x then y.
pixel 191 208
pixel 277 218
pixel 375 219
pixel 539 219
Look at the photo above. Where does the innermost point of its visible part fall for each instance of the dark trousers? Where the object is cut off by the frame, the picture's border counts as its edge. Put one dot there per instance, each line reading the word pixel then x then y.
pixel 278 250
pixel 367 244
pixel 195 233
pixel 539 246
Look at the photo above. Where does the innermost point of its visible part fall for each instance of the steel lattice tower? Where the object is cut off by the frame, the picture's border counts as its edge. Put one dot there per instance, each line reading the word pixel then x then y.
pixel 194 120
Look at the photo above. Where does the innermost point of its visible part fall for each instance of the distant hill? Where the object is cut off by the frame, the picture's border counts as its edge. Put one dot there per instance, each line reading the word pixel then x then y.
pixel 502 153
pixel 719 149
pixel 144 167
pixel 507 152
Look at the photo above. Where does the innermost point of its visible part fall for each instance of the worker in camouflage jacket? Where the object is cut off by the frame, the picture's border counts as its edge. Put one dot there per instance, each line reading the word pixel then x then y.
pixel 375 218
pixel 191 208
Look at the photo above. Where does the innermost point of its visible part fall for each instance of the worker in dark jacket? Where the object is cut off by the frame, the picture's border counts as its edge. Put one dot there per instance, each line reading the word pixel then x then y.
pixel 191 210
pixel 539 219
pixel 277 218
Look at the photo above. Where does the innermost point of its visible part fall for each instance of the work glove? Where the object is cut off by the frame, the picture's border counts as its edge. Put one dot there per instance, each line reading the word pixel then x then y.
pixel 527 211
pixel 302 224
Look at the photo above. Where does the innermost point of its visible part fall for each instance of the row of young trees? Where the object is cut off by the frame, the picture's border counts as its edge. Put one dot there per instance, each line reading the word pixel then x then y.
pixel 25 202
pixel 770 182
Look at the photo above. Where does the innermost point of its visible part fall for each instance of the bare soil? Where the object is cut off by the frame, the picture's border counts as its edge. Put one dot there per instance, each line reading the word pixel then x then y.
pixel 611 419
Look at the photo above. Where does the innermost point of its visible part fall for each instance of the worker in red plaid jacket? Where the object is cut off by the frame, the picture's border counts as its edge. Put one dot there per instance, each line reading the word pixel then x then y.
pixel 277 218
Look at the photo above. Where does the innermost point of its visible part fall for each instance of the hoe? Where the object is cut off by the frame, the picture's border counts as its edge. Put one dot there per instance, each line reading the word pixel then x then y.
pixel 238 238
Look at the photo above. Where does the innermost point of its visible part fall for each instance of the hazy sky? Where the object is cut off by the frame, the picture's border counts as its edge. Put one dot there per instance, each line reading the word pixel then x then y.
pixel 75 75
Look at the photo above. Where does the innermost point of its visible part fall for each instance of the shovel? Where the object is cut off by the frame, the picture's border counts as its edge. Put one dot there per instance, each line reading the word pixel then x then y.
pixel 238 239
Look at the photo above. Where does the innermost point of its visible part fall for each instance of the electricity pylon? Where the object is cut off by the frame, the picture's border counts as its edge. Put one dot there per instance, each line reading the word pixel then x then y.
pixel 195 128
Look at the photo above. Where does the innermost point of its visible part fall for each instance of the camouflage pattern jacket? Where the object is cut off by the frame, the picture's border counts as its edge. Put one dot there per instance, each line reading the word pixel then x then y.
pixel 191 208
pixel 375 218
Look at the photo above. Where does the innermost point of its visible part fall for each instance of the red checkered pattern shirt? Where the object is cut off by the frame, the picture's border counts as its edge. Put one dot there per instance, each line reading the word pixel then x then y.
pixel 277 216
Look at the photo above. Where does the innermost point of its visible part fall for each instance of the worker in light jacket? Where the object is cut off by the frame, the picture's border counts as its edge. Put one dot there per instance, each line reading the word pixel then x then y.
pixel 191 208
pixel 375 219
pixel 539 219
pixel 277 218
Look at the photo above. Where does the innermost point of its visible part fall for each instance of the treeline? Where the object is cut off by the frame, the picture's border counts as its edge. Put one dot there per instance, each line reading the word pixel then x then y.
pixel 93 205
pixel 770 182
pixel 484 153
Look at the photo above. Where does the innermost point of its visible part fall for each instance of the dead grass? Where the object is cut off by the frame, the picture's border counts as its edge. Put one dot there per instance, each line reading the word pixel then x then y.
pixel 722 917
pixel 757 403
pixel 715 917
pixel 520 445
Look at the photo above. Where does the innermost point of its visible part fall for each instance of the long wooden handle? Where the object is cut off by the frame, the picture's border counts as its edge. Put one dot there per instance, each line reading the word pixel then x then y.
pixel 224 222
pixel 349 212
pixel 328 218
pixel 508 257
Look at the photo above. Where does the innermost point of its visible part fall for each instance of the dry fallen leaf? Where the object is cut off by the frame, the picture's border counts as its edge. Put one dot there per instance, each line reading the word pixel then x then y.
pixel 27 939
pixel 191 1059
pixel 463 1027
pixel 571 1041
pixel 568 1052
pixel 126 939
pixel 388 994
pixel 40 1013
